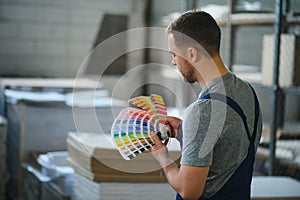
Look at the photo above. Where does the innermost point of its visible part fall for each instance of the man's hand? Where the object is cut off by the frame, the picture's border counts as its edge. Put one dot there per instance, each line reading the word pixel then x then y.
pixel 188 181
pixel 159 151
pixel 174 123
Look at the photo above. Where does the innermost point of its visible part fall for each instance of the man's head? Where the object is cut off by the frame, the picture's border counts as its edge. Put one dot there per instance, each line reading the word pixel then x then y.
pixel 192 35
pixel 196 26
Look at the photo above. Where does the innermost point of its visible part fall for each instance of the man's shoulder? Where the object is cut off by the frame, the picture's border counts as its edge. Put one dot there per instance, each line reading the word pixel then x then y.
pixel 197 107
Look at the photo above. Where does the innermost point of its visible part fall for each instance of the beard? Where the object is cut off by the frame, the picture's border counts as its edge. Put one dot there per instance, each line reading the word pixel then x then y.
pixel 189 77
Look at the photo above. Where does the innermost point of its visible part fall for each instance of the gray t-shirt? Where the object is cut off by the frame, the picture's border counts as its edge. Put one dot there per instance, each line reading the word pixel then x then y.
pixel 214 135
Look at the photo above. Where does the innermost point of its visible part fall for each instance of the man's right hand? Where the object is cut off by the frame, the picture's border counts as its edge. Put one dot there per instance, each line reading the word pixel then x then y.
pixel 174 123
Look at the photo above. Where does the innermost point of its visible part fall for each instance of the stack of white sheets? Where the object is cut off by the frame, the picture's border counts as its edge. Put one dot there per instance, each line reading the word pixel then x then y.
pixel 101 172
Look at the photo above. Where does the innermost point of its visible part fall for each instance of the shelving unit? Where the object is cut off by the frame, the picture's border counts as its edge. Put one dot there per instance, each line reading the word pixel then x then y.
pixel 257 19
pixel 281 20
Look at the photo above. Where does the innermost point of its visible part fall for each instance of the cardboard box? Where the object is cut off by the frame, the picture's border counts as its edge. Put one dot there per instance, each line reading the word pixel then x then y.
pixel 289 67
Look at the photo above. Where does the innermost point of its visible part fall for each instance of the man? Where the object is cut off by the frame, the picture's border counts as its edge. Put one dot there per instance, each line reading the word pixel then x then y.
pixel 220 131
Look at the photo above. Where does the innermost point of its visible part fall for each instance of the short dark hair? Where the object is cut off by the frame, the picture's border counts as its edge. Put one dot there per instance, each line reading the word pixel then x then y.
pixel 201 27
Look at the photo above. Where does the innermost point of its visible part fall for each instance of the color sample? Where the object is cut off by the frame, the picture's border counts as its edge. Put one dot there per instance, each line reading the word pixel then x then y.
pixel 131 129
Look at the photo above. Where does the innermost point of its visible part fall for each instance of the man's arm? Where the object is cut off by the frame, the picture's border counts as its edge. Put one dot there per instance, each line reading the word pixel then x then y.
pixel 188 181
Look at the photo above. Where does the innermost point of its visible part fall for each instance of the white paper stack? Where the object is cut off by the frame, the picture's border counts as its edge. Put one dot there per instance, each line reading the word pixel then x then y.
pixel 85 189
pixel 102 173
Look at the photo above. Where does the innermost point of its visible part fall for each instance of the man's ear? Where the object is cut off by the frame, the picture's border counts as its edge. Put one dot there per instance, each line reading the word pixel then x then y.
pixel 193 54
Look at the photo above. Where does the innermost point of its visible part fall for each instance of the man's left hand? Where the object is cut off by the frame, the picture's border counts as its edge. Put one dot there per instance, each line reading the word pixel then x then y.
pixel 159 151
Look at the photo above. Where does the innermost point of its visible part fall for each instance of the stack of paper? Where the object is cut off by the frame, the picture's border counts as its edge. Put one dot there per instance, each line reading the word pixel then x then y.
pixel 101 172
pixel 95 157
pixel 86 189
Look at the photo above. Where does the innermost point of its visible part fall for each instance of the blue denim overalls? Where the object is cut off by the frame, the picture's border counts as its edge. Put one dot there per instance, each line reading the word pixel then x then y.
pixel 238 186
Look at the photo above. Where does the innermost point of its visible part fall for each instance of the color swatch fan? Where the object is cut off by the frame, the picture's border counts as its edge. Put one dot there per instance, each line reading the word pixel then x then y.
pixel 132 127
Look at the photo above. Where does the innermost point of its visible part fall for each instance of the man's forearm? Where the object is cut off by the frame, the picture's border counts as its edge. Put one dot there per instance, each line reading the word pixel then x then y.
pixel 160 152
pixel 171 171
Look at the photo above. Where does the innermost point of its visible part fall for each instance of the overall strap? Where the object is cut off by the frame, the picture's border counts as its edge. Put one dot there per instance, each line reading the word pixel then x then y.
pixel 230 102
pixel 256 114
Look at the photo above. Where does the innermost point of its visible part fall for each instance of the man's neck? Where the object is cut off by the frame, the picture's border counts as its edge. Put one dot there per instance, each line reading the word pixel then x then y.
pixel 211 69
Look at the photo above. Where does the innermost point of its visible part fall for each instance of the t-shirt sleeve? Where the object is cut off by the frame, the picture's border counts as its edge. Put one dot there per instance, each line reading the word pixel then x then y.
pixel 179 135
pixel 199 135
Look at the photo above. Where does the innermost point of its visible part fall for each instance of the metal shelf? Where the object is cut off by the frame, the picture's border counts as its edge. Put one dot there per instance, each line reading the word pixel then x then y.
pixel 257 19
pixel 292 90
pixel 287 90
pixel 255 80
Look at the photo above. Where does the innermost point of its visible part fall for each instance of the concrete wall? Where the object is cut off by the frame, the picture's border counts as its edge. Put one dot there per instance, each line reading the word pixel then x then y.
pixel 50 37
